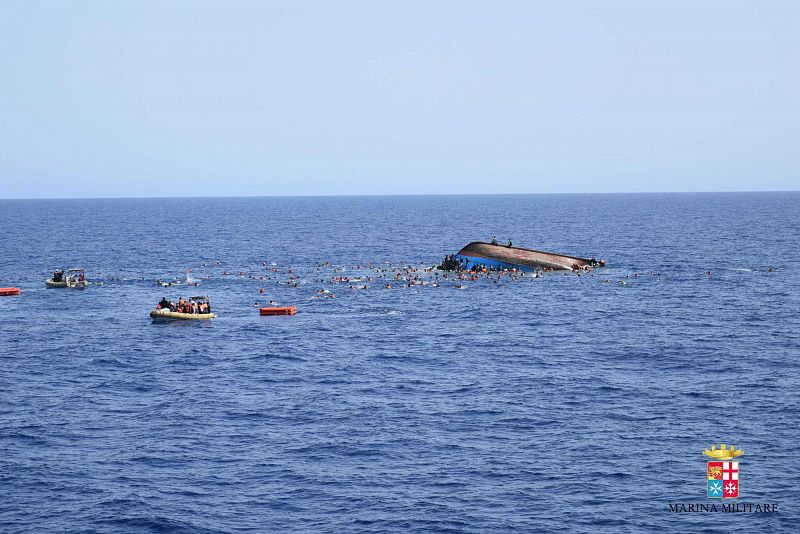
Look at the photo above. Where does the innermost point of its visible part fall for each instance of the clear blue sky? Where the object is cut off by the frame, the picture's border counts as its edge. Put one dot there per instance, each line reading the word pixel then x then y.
pixel 194 98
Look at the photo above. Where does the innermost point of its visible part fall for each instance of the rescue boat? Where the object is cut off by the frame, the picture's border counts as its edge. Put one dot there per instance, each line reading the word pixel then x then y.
pixel 73 278
pixel 8 291
pixel 278 310
pixel 165 313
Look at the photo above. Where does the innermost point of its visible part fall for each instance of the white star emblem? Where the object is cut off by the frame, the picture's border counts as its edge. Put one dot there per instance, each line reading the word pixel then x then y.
pixel 730 488
pixel 715 488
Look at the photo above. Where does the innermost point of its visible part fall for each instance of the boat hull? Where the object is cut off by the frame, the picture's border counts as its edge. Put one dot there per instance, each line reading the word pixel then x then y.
pixel 171 315
pixel 502 257
pixel 73 285
pixel 8 291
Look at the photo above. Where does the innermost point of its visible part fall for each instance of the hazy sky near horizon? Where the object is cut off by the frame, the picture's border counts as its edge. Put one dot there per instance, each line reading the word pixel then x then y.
pixel 193 98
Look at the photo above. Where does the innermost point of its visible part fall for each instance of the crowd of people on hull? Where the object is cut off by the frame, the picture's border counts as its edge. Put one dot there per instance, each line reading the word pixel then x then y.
pixel 184 306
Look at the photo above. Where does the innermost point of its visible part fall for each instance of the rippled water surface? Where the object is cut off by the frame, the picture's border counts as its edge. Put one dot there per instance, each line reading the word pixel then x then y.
pixel 560 403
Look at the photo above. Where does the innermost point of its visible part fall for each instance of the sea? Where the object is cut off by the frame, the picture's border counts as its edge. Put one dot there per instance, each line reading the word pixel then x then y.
pixel 419 403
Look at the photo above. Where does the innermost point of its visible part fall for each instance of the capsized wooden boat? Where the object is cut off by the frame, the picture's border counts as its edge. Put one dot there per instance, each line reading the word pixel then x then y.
pixel 166 314
pixel 498 256
pixel 278 310
pixel 8 291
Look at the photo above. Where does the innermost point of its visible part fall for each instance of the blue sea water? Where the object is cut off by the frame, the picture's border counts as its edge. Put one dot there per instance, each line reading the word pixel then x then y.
pixel 563 403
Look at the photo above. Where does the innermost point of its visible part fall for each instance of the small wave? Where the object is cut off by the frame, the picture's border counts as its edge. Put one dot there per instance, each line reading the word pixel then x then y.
pixel 286 357
pixel 107 361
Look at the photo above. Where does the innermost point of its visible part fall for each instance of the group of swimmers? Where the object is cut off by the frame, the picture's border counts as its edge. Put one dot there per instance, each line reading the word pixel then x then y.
pixel 451 263
pixel 432 276
pixel 184 306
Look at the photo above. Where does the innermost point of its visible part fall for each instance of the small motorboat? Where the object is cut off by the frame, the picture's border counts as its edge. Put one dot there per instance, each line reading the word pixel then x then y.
pixel 8 291
pixel 278 310
pixel 164 312
pixel 74 278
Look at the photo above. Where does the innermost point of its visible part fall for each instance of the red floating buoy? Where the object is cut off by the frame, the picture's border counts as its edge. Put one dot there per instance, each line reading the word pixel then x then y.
pixel 8 291
pixel 278 310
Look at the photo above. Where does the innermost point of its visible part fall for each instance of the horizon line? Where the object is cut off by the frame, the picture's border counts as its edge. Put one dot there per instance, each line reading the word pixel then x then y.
pixel 340 195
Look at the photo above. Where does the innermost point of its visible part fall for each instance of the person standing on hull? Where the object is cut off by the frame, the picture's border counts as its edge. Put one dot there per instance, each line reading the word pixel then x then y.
pixel 494 240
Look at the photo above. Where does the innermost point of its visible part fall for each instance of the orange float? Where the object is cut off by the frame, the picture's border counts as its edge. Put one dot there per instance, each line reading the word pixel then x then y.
pixel 278 310
pixel 8 291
